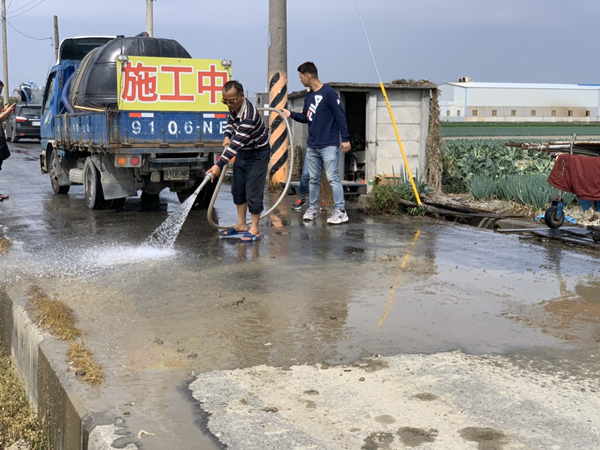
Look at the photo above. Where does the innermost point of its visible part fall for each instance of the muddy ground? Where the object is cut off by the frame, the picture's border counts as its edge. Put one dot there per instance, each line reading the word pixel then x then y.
pixel 385 332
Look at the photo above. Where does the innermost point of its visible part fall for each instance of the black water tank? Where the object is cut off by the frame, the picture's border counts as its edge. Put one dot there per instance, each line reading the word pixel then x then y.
pixel 95 84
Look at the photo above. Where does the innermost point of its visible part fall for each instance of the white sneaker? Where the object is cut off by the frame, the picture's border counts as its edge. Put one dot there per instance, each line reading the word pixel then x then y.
pixel 310 214
pixel 338 217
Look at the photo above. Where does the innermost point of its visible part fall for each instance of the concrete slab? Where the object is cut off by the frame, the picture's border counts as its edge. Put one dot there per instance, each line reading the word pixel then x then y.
pixel 442 401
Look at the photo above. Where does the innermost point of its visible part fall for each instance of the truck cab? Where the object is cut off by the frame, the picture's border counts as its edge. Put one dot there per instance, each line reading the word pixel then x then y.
pixel 70 54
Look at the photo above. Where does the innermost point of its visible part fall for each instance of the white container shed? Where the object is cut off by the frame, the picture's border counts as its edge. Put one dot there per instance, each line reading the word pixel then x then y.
pixel 369 122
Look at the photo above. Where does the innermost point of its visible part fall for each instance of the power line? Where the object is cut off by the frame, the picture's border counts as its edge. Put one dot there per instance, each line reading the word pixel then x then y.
pixel 20 14
pixel 30 37
pixel 18 9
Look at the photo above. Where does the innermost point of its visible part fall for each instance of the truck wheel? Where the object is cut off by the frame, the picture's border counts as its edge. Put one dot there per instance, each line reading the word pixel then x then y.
pixel 54 171
pixel 92 186
pixel 203 199
pixel 551 218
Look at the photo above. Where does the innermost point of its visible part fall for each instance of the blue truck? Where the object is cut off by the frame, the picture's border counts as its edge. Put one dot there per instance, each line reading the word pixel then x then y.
pixel 88 137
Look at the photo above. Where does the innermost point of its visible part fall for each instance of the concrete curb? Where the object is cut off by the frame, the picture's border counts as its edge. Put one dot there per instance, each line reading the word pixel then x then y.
pixel 39 361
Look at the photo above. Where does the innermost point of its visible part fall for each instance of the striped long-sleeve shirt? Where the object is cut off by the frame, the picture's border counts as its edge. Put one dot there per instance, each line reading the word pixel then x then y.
pixel 246 130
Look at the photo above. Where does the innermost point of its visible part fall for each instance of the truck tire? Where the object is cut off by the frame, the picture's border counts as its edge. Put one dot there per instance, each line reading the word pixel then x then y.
pixel 92 186
pixel 54 172
pixel 203 199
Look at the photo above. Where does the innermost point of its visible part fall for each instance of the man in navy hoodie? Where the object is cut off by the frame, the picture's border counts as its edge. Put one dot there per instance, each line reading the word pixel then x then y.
pixel 326 121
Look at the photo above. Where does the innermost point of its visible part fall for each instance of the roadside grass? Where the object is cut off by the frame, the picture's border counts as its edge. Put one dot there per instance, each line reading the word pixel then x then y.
pixel 17 417
pixel 57 318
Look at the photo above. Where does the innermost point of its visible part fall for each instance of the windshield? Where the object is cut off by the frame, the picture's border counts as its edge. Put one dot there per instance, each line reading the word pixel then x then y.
pixel 75 49
pixel 30 111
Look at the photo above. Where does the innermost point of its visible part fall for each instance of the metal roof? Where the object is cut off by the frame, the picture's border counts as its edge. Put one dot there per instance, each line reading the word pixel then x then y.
pixel 363 87
pixel 482 85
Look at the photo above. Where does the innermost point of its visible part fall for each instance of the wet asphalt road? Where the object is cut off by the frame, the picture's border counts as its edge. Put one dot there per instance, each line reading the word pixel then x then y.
pixel 308 293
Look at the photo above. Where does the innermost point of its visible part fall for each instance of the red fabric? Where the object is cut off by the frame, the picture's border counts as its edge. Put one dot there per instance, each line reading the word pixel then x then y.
pixel 577 174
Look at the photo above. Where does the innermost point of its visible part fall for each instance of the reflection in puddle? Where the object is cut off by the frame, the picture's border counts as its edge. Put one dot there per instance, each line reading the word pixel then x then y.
pixel 575 315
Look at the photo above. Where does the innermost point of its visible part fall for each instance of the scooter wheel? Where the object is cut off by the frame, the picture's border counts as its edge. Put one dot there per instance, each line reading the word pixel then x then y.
pixel 551 218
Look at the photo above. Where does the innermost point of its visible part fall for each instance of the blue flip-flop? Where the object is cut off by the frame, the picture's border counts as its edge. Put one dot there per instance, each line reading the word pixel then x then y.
pixel 249 237
pixel 232 233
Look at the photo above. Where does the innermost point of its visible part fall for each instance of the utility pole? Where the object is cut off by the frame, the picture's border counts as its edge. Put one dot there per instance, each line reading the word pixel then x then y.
pixel 56 38
pixel 277 84
pixel 4 55
pixel 150 17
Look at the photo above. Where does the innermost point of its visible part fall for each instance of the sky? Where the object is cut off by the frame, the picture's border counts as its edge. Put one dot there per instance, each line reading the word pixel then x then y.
pixel 528 41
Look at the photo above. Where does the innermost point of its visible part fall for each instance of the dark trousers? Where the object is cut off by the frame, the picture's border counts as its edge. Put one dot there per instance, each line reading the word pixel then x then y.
pixel 249 177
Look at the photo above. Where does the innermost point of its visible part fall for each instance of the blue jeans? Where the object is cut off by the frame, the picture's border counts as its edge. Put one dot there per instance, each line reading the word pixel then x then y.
pixel 327 158
pixel 304 179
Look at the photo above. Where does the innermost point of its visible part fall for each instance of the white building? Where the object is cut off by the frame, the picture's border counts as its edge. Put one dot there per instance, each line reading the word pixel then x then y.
pixel 519 102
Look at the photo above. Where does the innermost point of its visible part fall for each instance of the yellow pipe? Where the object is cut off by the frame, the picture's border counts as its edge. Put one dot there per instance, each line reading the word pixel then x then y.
pixel 412 181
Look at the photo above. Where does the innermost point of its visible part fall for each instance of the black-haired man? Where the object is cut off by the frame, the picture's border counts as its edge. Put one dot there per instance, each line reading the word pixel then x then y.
pixel 247 140
pixel 326 122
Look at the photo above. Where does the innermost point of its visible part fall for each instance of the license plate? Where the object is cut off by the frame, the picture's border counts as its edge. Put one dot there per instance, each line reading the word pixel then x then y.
pixel 175 173
pixel 35 124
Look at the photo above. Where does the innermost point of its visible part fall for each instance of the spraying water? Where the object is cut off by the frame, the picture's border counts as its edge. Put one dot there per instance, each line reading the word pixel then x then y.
pixel 164 236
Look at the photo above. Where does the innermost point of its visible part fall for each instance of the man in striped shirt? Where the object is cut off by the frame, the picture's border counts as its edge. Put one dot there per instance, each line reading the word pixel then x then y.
pixel 247 140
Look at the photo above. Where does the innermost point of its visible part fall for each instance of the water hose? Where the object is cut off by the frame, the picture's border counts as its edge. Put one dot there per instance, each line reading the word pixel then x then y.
pixel 223 172
pixel 65 95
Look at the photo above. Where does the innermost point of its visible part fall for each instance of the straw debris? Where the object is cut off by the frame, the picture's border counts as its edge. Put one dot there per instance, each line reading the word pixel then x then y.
pixel 434 145
pixel 57 318
pixel 84 365
pixel 53 315
pixel 5 244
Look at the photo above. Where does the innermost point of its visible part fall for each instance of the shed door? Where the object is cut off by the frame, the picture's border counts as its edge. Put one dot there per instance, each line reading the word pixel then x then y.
pixel 354 163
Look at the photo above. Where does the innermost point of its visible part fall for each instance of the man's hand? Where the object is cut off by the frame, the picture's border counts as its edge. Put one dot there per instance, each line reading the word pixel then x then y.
pixel 226 142
pixel 286 113
pixel 346 147
pixel 7 112
pixel 215 171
